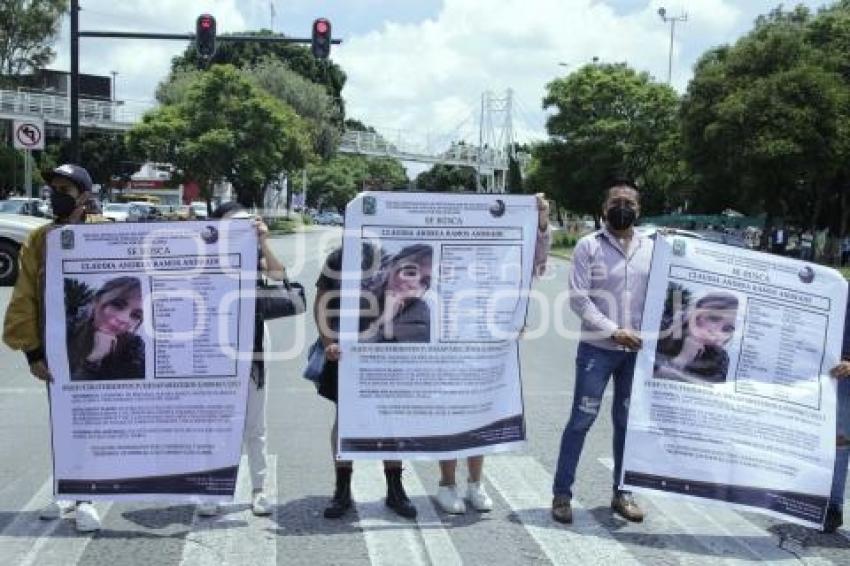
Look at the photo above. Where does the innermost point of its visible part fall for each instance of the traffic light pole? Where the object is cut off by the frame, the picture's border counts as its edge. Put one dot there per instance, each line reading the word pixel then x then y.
pixel 75 81
pixel 76 34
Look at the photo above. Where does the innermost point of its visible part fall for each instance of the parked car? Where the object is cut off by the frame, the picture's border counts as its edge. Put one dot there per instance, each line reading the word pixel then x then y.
pixel 200 209
pixel 14 229
pixel 329 219
pixel 143 212
pixel 23 205
pixel 116 211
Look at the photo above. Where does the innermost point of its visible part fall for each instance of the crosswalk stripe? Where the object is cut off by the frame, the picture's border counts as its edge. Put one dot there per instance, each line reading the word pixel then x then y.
pixel 721 530
pixel 441 550
pixel 526 486
pixel 28 540
pixel 16 540
pixel 392 540
pixel 235 536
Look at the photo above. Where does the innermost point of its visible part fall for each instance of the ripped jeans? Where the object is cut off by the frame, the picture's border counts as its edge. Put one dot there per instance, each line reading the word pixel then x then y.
pixel 842 450
pixel 594 366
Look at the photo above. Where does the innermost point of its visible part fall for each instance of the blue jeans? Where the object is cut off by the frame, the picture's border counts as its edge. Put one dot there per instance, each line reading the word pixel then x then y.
pixel 842 450
pixel 594 366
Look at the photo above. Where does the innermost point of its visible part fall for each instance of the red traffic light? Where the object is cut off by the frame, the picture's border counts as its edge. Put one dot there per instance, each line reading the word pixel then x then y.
pixel 205 36
pixel 321 41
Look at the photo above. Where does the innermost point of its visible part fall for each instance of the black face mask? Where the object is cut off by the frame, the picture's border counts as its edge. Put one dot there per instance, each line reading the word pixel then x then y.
pixel 63 204
pixel 620 217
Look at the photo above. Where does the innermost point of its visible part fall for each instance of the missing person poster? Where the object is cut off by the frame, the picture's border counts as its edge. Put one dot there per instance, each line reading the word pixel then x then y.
pixel 434 297
pixel 149 334
pixel 732 399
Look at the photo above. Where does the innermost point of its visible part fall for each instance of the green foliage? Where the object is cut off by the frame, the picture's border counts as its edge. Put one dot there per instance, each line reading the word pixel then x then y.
pixel 766 120
pixel 308 99
pixel 447 178
pixel 251 54
pixel 103 153
pixel 12 168
pixel 27 31
pixel 609 120
pixel 335 182
pixel 564 240
pixel 225 127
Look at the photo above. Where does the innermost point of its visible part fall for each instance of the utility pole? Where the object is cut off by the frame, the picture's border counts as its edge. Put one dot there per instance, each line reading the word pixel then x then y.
pixel 75 81
pixel 662 12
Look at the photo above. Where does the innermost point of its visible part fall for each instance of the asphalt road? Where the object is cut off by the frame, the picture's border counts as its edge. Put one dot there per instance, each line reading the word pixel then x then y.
pixel 517 531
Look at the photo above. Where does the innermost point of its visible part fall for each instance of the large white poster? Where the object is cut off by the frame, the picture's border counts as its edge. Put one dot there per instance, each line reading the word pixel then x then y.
pixel 149 334
pixel 732 399
pixel 434 296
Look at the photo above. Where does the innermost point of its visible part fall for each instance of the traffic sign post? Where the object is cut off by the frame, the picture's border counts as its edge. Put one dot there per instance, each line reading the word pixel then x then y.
pixel 28 135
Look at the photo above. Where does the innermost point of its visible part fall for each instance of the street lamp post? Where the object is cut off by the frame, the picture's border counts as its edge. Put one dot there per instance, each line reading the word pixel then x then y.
pixel 114 74
pixel 662 12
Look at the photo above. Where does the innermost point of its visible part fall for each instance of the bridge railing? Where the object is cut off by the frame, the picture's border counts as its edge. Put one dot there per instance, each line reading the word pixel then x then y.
pixel 57 109
pixel 370 143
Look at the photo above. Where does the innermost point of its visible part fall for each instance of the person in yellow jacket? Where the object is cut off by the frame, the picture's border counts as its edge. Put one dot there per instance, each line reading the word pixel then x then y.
pixel 23 328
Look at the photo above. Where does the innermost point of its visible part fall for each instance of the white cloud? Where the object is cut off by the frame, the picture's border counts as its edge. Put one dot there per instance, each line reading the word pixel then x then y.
pixel 423 76
pixel 428 76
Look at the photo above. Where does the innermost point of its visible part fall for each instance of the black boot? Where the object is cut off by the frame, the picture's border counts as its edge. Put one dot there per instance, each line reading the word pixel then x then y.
pixel 834 518
pixel 396 497
pixel 341 501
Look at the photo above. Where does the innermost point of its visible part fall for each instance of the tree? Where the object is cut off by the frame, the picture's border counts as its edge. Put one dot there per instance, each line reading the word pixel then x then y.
pixel 765 121
pixel 245 54
pixel 447 178
pixel 609 120
pixel 226 128
pixel 27 31
pixel 308 99
pixel 104 155
pixel 336 181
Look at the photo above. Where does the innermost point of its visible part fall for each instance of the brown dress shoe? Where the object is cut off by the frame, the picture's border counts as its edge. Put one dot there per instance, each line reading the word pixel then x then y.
pixel 623 503
pixel 561 510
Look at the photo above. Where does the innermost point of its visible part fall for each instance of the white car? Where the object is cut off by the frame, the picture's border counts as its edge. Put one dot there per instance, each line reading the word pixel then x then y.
pixel 200 209
pixel 116 211
pixel 14 229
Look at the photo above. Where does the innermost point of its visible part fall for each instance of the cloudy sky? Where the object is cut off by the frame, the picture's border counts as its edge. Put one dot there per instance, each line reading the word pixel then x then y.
pixel 420 66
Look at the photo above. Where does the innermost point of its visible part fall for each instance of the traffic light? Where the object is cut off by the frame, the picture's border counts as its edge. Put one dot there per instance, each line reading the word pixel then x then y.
pixel 321 44
pixel 205 36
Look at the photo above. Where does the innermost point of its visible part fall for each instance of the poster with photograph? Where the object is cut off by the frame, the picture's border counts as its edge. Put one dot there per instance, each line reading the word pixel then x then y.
pixel 434 297
pixel 149 336
pixel 732 399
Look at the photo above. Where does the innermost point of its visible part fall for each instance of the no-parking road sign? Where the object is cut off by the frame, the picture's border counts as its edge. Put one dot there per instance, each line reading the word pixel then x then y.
pixel 29 134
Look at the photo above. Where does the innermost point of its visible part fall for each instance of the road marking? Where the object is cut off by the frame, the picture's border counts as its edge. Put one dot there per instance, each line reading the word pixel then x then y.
pixel 235 536
pixel 721 530
pixel 28 540
pixel 441 550
pixel 527 488
pixel 391 539
pixel 16 539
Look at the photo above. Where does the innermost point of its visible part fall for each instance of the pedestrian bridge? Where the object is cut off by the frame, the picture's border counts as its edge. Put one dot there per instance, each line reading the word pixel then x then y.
pixel 55 110
pixel 486 160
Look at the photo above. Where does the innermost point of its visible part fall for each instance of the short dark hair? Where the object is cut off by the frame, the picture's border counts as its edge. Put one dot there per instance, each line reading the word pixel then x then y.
pixel 620 181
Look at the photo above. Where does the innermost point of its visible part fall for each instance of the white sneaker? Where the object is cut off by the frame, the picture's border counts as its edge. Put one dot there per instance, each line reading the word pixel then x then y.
pixel 477 496
pixel 208 509
pixel 260 505
pixel 87 518
pixel 449 501
pixel 54 510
